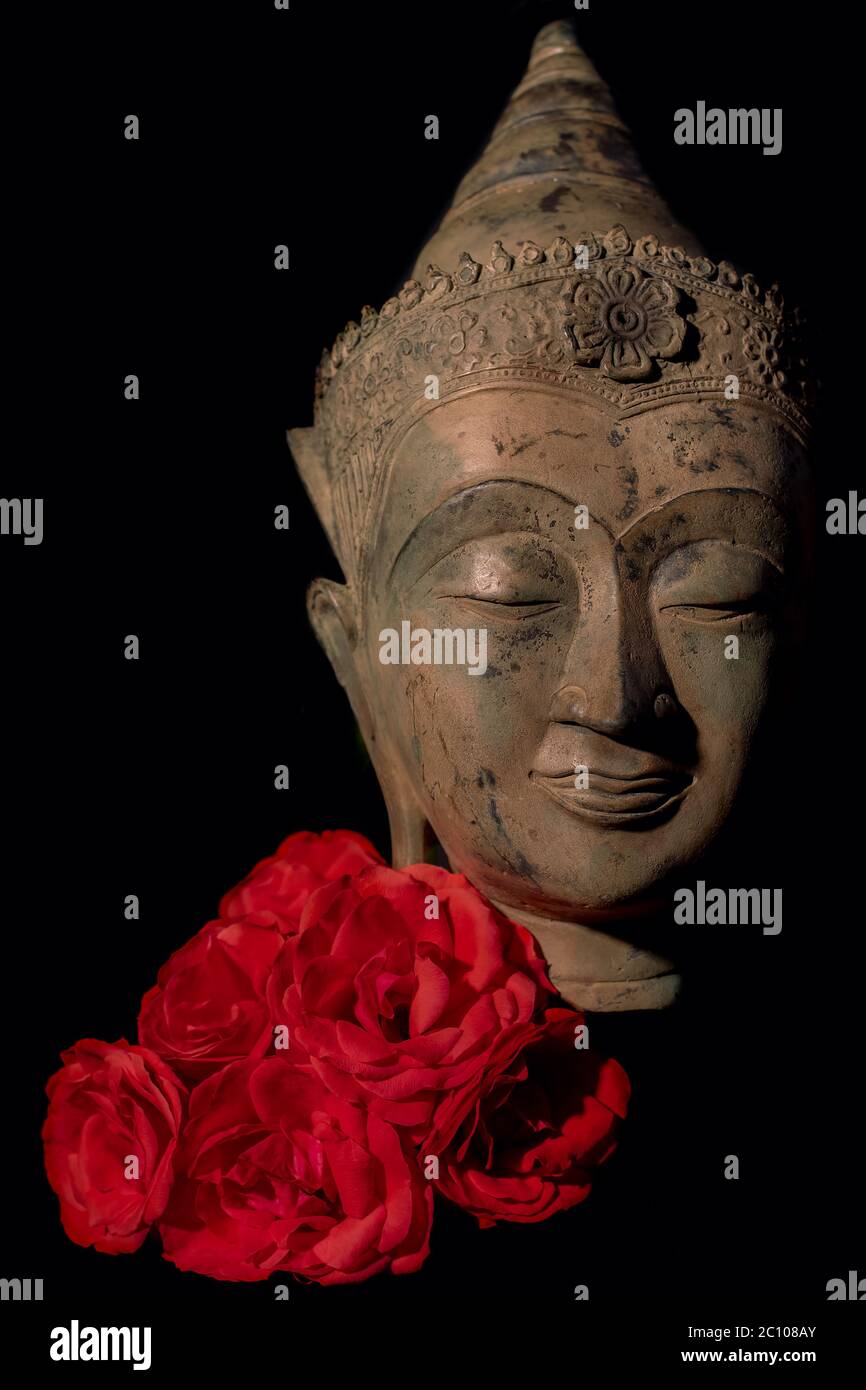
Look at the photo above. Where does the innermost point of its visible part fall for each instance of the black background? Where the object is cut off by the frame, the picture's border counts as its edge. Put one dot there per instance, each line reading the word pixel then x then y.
pixel 155 777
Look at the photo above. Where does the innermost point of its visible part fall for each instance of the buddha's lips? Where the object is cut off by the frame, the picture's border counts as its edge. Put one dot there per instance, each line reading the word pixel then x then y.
pixel 614 799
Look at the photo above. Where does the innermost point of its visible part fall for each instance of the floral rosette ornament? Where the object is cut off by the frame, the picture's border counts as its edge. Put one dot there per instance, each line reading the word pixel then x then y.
pixel 622 319
pixel 344 1041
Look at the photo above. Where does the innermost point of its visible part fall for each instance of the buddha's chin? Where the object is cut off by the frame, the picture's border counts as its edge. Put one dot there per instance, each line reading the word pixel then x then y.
pixel 610 897
pixel 610 968
pixel 621 996
pixel 597 874
pixel 608 937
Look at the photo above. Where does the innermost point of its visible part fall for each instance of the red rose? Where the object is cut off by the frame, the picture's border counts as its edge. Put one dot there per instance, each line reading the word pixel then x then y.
pixel 400 985
pixel 525 1143
pixel 419 1025
pixel 277 1173
pixel 110 1103
pixel 208 1006
pixel 279 886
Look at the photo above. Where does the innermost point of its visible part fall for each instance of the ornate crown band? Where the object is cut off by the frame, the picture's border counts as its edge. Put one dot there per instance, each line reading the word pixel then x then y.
pixel 636 323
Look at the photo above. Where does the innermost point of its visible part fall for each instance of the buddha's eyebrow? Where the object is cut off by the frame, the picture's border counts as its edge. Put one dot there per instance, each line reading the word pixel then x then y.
pixel 730 549
pixel 485 491
pixel 698 497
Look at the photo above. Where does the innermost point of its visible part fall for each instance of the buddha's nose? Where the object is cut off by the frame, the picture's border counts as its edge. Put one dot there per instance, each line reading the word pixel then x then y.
pixel 570 705
pixel 613 679
pixel 615 713
pixel 612 711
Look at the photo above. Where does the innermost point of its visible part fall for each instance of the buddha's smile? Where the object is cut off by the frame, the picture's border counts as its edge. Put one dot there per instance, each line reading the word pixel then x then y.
pixel 639 800
pixel 606 781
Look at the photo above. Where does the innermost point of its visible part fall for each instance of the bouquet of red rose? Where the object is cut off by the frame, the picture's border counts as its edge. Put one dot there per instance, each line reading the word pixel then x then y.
pixel 343 1041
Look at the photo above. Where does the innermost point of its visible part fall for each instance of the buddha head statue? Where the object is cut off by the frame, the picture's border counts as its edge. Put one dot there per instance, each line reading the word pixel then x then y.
pixel 563 470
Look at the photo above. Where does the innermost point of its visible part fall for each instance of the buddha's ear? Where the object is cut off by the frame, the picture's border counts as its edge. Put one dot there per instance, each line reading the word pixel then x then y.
pixel 334 617
pixel 333 613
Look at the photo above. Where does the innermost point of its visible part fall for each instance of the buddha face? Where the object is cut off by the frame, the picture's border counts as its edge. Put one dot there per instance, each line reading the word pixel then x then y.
pixel 633 580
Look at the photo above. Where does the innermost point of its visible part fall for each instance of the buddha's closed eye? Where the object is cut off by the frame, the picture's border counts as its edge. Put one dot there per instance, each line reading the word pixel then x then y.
pixel 713 581
pixel 504 609
pixel 725 610
pixel 509 580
